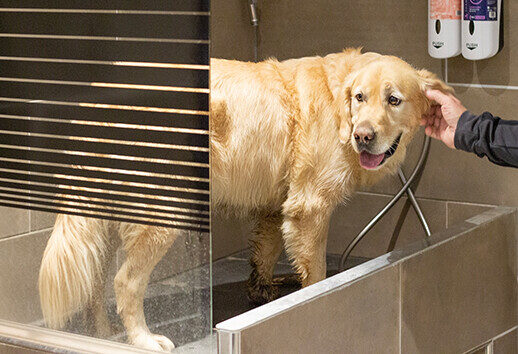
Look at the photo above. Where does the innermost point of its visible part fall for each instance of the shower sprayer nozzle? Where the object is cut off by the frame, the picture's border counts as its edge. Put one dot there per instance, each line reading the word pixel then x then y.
pixel 254 18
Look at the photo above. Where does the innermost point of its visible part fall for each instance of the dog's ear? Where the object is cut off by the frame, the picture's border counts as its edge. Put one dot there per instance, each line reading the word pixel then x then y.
pixel 430 81
pixel 345 128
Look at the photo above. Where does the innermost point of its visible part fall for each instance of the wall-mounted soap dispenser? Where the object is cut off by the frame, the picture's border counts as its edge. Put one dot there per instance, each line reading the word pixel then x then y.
pixel 444 28
pixel 481 28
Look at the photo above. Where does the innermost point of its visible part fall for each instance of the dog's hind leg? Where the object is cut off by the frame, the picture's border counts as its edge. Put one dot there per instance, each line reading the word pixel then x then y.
pixel 144 246
pixel 266 247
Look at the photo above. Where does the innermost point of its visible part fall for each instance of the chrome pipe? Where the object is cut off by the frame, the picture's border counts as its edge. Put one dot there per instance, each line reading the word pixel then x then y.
pixel 254 18
pixel 254 21
pixel 415 204
pixel 417 170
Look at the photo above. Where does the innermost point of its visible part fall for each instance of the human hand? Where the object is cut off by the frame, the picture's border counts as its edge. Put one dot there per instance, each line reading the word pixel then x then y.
pixel 441 120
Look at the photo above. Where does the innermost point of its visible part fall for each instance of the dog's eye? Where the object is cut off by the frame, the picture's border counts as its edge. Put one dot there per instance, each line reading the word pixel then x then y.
pixel 359 97
pixel 394 101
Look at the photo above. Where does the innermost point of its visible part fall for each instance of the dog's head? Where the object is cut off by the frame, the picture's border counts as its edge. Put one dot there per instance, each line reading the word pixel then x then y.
pixel 384 101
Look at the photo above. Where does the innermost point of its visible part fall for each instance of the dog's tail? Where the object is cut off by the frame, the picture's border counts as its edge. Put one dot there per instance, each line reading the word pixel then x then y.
pixel 72 264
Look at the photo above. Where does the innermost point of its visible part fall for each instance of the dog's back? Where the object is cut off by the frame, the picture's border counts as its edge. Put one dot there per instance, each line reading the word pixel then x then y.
pixel 250 125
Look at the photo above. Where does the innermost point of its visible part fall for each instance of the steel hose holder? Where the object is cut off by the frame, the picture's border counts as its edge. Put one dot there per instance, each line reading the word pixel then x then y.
pixel 413 181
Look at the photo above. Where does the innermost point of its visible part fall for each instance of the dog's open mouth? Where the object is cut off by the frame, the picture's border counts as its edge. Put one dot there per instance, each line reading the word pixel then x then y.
pixel 370 161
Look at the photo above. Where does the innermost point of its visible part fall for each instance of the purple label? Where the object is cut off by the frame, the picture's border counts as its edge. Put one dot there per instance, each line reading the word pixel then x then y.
pixel 481 10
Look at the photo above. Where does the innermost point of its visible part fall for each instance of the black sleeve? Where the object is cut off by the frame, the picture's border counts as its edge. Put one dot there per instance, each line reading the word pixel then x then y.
pixel 489 136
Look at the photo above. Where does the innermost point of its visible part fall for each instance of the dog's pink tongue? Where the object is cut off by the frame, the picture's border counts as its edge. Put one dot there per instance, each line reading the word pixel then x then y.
pixel 370 161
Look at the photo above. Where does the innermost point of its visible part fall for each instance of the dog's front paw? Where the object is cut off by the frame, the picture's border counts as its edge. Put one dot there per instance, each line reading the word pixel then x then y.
pixel 260 294
pixel 155 342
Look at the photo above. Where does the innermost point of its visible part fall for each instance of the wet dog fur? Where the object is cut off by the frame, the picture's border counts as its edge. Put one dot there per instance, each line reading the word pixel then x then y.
pixel 284 151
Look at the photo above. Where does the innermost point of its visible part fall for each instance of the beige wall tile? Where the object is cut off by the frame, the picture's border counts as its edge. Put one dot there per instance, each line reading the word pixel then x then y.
pixel 295 28
pixel 458 212
pixel 503 103
pixel 20 259
pixel 461 293
pixel 360 318
pixel 229 235
pixel 13 221
pixel 231 32
pixel 190 250
pixel 507 344
pixel 350 219
pixel 41 220
pixel 502 69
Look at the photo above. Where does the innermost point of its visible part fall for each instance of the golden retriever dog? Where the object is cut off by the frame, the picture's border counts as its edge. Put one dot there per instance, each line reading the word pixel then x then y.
pixel 289 141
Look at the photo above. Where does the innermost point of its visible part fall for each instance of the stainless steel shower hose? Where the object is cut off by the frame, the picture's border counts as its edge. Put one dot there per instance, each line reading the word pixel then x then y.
pixel 413 181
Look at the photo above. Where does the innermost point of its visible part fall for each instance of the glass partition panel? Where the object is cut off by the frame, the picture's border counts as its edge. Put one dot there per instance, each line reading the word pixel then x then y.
pixel 72 273
pixel 104 170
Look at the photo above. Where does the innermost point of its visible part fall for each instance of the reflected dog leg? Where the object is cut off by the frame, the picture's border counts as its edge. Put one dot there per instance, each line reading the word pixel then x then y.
pixel 145 246
pixel 266 247
pixel 97 306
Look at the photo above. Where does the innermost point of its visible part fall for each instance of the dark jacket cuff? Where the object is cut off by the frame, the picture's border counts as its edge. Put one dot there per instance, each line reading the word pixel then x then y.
pixel 466 135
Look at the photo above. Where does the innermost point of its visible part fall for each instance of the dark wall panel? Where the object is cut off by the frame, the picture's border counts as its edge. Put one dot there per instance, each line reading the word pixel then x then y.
pixel 104 109
pixel 142 5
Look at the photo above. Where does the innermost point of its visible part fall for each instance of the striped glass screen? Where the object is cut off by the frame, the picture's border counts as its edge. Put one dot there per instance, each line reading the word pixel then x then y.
pixel 104 109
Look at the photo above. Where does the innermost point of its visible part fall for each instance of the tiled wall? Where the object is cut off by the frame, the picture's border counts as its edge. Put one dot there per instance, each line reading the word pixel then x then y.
pixel 23 236
pixel 454 184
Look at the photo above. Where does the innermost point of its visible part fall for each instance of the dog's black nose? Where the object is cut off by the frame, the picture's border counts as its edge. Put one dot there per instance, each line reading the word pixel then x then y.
pixel 363 134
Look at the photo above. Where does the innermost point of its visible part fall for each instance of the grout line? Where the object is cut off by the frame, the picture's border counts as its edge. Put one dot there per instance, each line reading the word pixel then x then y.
pixel 30 219
pixel 103 38
pixel 428 199
pixel 28 233
pixel 446 70
pixel 447 207
pixel 107 11
pixel 498 87
pixel 400 310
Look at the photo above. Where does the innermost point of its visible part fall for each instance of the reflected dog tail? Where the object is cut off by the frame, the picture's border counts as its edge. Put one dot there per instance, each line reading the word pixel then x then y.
pixel 72 264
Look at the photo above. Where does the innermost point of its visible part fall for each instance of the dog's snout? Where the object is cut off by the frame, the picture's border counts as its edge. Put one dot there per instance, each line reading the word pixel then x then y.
pixel 364 133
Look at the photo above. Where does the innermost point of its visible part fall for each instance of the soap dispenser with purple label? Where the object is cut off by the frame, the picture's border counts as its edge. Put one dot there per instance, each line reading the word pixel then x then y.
pixel 481 28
